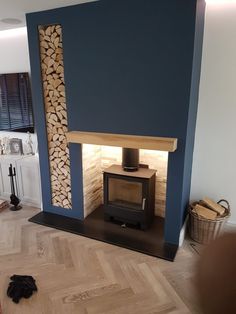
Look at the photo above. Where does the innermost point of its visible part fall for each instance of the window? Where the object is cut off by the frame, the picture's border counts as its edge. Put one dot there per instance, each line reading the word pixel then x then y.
pixel 16 111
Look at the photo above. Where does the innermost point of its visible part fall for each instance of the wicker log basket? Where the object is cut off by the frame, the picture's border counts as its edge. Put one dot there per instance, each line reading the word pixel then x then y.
pixel 204 230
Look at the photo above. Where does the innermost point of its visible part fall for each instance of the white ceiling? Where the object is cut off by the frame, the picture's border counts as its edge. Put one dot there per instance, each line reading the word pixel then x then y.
pixel 17 9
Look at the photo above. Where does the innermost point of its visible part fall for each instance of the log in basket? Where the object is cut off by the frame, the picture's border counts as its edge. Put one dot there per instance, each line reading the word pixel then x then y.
pixel 204 230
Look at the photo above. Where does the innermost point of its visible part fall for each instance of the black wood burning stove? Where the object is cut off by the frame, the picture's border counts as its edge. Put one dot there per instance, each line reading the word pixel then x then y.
pixel 129 196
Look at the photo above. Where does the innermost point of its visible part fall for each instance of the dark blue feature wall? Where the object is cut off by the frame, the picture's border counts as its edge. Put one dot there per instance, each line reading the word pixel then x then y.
pixel 130 59
pixel 131 67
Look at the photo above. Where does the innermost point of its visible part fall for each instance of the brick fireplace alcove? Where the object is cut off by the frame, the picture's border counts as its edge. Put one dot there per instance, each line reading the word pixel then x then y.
pixel 100 150
pixel 97 158
pixel 114 67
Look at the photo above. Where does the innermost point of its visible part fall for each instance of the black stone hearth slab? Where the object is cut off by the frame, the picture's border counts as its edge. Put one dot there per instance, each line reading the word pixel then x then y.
pixel 150 242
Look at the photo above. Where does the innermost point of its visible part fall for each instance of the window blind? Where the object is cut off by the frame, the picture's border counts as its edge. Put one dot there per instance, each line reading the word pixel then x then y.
pixel 15 102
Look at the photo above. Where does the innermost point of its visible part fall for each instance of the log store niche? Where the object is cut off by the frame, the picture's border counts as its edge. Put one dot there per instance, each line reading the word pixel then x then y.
pixel 52 71
pixel 129 191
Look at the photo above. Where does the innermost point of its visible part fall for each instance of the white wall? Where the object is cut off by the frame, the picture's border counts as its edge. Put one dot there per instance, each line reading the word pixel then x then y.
pixel 14 55
pixel 214 165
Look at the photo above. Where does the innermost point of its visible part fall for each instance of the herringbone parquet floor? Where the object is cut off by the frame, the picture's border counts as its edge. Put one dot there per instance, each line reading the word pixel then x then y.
pixel 78 275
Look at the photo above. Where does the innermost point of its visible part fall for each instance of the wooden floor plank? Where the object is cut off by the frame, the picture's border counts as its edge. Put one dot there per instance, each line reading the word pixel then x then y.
pixel 78 275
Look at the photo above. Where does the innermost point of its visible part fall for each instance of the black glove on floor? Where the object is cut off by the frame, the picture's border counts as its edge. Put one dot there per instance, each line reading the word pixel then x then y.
pixel 21 287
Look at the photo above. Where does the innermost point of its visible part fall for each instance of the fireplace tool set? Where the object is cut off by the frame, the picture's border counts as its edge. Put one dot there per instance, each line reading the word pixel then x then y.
pixel 14 189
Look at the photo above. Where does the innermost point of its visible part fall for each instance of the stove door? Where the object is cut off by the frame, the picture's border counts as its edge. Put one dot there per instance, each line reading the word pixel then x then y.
pixel 125 192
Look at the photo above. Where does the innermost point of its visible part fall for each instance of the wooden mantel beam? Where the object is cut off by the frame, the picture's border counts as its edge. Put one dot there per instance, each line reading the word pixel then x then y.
pixel 120 140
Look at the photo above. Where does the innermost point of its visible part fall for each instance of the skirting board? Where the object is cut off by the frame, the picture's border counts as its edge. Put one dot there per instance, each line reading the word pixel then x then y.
pixel 183 232
pixel 150 242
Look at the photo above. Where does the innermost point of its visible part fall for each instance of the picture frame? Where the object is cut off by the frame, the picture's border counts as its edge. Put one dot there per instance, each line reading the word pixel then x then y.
pixel 16 147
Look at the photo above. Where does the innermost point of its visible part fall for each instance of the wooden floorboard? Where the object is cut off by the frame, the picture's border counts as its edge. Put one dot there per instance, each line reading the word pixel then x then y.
pixel 150 241
pixel 75 274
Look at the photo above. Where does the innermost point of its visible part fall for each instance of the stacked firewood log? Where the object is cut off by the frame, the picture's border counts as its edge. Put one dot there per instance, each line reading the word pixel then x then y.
pixel 208 209
pixel 52 70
